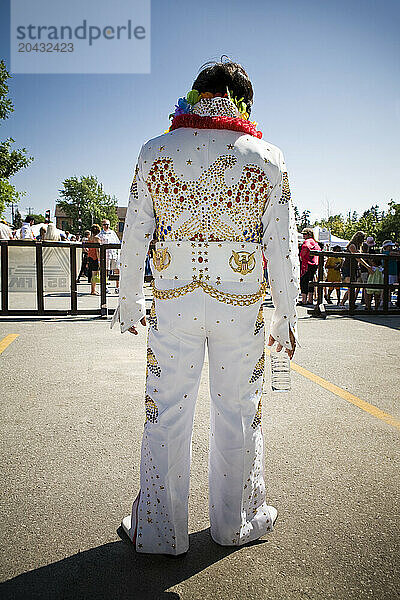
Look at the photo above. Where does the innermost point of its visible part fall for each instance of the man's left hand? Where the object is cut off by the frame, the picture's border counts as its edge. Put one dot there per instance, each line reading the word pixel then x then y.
pixel 279 346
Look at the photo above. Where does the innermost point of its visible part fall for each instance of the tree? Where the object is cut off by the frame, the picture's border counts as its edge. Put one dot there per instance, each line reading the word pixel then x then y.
pixel 373 222
pixel 17 219
pixel 85 199
pixel 305 219
pixel 11 160
pixel 390 223
pixel 39 218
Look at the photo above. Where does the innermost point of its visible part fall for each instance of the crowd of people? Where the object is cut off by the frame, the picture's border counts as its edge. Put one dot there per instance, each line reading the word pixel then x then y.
pixel 90 256
pixel 337 270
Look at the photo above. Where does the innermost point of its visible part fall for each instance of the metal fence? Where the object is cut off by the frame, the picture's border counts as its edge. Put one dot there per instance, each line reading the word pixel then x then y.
pixel 71 267
pixel 39 248
pixel 354 285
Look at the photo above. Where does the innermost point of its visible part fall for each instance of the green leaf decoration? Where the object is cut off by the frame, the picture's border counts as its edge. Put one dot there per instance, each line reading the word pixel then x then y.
pixel 193 97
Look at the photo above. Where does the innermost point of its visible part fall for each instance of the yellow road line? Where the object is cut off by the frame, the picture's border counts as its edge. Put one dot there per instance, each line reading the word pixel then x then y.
pixel 5 342
pixel 331 387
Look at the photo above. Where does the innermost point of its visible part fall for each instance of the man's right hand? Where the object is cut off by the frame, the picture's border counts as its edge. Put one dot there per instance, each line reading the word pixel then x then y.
pixel 133 328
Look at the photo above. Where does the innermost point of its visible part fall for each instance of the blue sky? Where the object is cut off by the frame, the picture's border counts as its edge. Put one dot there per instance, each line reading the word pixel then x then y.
pixel 327 91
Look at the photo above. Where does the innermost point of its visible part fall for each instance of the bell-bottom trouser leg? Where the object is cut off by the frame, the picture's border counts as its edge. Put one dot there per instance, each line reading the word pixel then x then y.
pixel 175 355
pixel 237 505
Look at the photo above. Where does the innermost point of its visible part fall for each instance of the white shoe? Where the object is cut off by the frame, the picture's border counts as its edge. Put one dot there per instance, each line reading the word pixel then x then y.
pixel 273 514
pixel 126 526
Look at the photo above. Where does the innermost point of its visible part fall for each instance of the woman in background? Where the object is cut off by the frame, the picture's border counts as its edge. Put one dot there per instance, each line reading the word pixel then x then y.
pixel 332 266
pixel 308 265
pixel 52 234
pixel 353 246
pixel 94 258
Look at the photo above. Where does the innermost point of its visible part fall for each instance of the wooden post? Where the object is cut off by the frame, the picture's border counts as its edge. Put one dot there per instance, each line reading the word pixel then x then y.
pixel 352 291
pixel 39 278
pixel 386 284
pixel 4 277
pixel 74 290
pixel 103 281
pixel 320 278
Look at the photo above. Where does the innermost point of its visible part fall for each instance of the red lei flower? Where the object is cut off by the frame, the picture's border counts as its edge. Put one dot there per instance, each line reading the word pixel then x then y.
pixel 219 122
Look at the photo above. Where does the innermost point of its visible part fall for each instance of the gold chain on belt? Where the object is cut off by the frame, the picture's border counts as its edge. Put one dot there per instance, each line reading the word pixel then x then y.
pixel 234 299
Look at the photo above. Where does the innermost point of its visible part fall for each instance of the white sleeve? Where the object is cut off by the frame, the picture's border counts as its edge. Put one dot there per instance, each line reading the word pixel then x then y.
pixel 138 232
pixel 281 252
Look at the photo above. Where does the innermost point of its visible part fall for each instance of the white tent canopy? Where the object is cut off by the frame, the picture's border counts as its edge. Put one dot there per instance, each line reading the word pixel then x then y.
pixel 322 234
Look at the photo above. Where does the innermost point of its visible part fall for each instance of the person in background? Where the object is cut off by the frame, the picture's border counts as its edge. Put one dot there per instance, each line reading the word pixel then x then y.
pixel 375 275
pixel 368 247
pixel 108 236
pixel 333 265
pixel 354 246
pixel 52 234
pixel 84 263
pixel 67 236
pixel 26 229
pixel 94 258
pixel 5 231
pixel 41 235
pixel 388 247
pixel 308 266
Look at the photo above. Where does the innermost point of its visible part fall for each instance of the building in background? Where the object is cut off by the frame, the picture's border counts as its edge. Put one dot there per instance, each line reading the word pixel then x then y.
pixel 64 222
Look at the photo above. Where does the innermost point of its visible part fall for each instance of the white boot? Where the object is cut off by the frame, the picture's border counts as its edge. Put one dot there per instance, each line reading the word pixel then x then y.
pixel 273 514
pixel 126 526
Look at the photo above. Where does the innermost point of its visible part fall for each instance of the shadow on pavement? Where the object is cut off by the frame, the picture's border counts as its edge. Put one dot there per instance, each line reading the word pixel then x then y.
pixel 392 321
pixel 115 571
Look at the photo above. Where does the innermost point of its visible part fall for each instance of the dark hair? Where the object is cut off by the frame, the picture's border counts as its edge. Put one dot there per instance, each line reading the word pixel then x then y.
pixel 376 261
pixel 337 248
pixel 29 218
pixel 308 231
pixel 218 77
pixel 95 229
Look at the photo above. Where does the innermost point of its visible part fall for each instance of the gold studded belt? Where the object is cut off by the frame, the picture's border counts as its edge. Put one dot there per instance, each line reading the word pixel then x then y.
pixel 212 263
pixel 221 296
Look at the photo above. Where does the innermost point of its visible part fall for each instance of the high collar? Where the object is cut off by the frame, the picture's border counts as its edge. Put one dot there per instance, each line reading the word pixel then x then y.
pixel 216 107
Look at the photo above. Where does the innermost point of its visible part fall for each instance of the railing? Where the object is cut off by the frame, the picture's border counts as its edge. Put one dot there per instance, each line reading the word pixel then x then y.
pixel 354 285
pixel 39 271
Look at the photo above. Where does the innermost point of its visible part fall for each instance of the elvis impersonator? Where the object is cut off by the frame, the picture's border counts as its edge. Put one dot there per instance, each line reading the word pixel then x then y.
pixel 214 196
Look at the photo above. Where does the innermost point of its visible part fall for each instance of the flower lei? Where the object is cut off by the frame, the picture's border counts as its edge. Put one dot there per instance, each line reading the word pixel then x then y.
pixel 184 106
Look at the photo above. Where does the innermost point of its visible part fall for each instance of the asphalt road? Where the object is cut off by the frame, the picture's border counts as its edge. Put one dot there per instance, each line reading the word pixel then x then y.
pixel 71 422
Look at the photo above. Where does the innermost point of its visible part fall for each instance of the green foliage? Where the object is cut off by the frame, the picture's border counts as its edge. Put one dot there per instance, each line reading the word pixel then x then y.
pixel 11 161
pixel 373 222
pixel 17 219
pixel 8 194
pixel 85 195
pixel 6 106
pixel 39 218
pixel 390 224
pixel 305 219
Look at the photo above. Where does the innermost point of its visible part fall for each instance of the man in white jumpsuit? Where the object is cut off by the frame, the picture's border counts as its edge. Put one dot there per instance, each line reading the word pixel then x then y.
pixel 216 196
